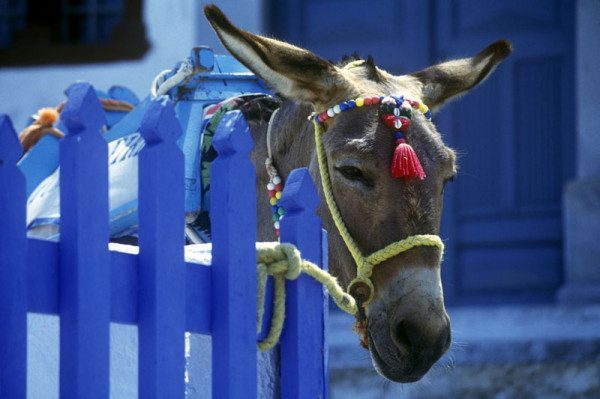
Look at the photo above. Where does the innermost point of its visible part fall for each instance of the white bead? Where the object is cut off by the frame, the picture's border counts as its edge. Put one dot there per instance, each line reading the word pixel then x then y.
pixel 337 109
pixel 276 224
pixel 270 186
pixel 276 180
pixel 330 113
pixel 397 124
pixel 397 111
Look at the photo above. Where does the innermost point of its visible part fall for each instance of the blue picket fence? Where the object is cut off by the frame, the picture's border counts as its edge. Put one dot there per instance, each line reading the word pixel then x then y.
pixel 89 286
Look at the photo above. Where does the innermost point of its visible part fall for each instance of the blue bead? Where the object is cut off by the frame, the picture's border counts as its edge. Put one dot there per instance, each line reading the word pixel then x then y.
pixel 274 208
pixel 428 114
pixel 317 118
pixel 398 135
pixel 344 106
pixel 351 104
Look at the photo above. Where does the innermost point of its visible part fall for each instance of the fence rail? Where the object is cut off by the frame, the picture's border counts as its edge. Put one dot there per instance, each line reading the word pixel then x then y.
pixel 88 286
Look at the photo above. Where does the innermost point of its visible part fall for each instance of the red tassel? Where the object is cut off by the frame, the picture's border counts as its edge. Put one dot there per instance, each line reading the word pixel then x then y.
pixel 406 163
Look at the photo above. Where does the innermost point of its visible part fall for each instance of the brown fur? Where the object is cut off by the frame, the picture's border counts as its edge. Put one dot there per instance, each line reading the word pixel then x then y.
pixel 408 324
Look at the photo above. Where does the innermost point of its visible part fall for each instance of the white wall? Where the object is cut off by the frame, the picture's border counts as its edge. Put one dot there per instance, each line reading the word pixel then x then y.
pixel 173 27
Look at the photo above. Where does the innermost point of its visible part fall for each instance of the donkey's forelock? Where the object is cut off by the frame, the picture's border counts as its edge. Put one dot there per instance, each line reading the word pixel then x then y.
pixel 369 68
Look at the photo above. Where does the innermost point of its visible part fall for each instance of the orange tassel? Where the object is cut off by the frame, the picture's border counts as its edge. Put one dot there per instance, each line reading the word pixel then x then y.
pixel 406 162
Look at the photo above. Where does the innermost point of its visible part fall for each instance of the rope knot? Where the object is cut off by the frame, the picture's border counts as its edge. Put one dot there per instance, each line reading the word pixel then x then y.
pixel 294 260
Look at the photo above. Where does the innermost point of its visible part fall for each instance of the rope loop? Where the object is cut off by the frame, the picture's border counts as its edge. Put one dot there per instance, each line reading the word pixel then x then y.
pixel 284 261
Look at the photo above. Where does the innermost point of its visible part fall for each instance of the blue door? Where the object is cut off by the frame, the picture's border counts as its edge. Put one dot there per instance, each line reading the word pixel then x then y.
pixel 515 133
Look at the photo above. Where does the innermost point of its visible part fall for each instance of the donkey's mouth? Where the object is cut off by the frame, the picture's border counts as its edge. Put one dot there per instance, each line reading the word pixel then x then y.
pixel 402 368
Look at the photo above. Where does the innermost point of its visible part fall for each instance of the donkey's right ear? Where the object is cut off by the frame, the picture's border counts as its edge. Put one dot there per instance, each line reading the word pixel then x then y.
pixel 293 72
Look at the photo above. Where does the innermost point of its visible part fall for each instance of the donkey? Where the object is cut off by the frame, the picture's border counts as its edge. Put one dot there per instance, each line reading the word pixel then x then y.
pixel 408 327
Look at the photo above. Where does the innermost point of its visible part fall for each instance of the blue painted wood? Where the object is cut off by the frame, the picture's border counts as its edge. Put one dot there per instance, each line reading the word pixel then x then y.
pixel 233 217
pixel 502 214
pixel 302 341
pixel 308 23
pixel 84 275
pixel 13 248
pixel 325 266
pixel 161 266
pixel 43 280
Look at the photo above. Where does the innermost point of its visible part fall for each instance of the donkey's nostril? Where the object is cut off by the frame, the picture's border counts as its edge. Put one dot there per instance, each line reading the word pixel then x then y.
pixel 405 335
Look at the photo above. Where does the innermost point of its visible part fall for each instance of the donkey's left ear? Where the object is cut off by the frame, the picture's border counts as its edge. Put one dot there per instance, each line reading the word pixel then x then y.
pixel 293 72
pixel 444 81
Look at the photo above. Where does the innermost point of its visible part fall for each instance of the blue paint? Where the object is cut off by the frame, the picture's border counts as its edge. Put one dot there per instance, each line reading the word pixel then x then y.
pixel 88 286
pixel 84 278
pixel 161 268
pixel 233 217
pixel 13 247
pixel 302 341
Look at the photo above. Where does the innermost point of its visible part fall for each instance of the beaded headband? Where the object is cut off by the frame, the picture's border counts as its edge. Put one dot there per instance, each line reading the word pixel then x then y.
pixel 396 113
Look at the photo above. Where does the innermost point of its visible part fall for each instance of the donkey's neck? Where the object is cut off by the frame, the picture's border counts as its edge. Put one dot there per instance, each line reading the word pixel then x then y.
pixel 292 145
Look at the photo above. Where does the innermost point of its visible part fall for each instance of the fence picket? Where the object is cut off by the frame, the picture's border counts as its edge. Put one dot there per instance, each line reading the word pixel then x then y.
pixel 161 265
pixel 302 343
pixel 13 255
pixel 233 216
pixel 84 274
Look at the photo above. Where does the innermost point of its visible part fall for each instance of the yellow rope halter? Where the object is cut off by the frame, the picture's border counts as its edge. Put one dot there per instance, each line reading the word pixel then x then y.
pixel 283 261
pixel 362 286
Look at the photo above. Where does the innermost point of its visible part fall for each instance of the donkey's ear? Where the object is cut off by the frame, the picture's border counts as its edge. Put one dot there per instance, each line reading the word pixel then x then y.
pixel 293 72
pixel 449 79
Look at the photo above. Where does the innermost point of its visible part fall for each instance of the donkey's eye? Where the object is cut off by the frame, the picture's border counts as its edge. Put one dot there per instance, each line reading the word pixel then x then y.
pixel 354 174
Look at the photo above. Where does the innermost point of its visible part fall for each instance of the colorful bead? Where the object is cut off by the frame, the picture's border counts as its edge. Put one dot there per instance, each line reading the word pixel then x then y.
pixel 270 186
pixel 278 195
pixel 399 108
pixel 276 225
pixel 276 180
pixel 387 108
pixel 273 200
pixel 281 211
pixel 389 120
pixel 405 124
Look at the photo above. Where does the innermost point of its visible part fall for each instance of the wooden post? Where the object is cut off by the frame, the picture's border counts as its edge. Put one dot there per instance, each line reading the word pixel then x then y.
pixel 161 294
pixel 13 256
pixel 84 259
pixel 302 339
pixel 233 216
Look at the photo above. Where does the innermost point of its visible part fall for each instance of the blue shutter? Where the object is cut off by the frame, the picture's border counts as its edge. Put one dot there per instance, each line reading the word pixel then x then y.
pixel 502 221
pixel 515 132
pixel 12 19
pixel 90 21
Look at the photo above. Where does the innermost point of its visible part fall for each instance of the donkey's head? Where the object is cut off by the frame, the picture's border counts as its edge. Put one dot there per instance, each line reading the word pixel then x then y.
pixel 408 326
